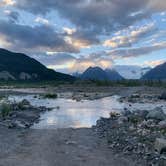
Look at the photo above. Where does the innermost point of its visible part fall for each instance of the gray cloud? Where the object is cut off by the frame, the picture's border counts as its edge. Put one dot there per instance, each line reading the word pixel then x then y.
pixel 40 38
pixel 93 18
pixel 134 52
pixel 54 59
pixel 13 15
pixel 96 15
pixel 133 36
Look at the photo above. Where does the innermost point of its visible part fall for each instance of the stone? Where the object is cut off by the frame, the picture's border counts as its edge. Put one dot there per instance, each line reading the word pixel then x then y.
pixel 162 162
pixel 162 124
pixel 160 144
pixel 156 114
pixel 141 113
pixel 126 112
pixel 122 119
pixel 25 102
pixel 19 124
pixel 163 96
pixel 135 95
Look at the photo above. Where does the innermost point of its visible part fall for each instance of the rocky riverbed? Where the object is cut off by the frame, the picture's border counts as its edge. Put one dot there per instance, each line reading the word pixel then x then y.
pixel 139 134
pixel 19 115
pixel 133 137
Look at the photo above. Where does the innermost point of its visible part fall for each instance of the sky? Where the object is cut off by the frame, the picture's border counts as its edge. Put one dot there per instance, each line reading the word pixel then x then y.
pixel 72 35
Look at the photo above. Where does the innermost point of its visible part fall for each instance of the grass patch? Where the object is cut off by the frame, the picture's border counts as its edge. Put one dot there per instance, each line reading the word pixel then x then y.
pixel 50 96
pixel 5 109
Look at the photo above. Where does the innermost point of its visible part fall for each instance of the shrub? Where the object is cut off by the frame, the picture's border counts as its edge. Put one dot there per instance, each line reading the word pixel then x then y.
pixel 5 109
pixel 51 96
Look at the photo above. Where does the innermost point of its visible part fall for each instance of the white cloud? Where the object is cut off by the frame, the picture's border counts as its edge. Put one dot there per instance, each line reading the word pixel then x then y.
pixel 132 37
pixel 42 21
pixel 154 63
pixel 69 31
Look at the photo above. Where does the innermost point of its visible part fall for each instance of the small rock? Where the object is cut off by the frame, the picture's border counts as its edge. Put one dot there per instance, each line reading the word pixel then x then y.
pixel 162 162
pixel 162 124
pixel 156 114
pixel 160 144
pixel 25 102
pixel 126 112
pixel 141 113
pixel 122 119
pixel 18 124
pixel 71 143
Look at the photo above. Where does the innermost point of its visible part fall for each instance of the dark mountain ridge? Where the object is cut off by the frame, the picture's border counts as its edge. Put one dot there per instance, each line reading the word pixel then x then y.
pixel 157 73
pixel 96 73
pixel 18 66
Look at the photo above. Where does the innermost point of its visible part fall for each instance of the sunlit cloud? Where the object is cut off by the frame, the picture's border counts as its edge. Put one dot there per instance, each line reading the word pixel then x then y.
pixel 3 42
pixel 42 20
pixel 7 2
pixel 69 31
pixel 77 43
pixel 154 63
pixel 133 37
pixel 74 35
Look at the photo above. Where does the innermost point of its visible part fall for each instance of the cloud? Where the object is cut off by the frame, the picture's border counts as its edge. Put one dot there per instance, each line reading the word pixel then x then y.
pixel 157 5
pixel 133 37
pixel 54 59
pixel 80 38
pixel 69 31
pixel 94 15
pixel 95 59
pixel 7 3
pixel 42 20
pixel 3 42
pixel 93 18
pixel 69 64
pixel 82 24
pixel 134 52
pixel 36 38
pixel 13 15
pixel 154 63
pixel 82 64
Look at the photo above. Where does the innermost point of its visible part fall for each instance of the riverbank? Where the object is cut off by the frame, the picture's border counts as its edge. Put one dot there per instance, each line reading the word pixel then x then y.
pixel 84 92
pixel 86 146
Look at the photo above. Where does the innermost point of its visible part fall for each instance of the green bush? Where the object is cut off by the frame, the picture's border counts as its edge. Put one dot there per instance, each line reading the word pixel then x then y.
pixel 5 109
pixel 50 96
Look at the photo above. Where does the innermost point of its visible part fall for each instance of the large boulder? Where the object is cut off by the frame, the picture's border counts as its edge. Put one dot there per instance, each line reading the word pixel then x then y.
pixel 160 145
pixel 163 96
pixel 156 114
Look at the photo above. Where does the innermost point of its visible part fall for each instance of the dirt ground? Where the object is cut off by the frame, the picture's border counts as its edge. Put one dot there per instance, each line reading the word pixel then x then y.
pixel 62 147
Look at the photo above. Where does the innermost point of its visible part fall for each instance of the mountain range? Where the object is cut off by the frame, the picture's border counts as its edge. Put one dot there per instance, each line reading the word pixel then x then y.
pixel 96 73
pixel 124 72
pixel 131 71
pixel 18 66
pixel 157 73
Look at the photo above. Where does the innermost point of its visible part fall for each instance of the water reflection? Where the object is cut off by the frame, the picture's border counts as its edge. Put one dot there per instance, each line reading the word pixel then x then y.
pixel 72 113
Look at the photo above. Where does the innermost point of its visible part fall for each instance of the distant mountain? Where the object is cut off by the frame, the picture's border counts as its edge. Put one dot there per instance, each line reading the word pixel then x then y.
pixel 96 73
pixel 113 75
pixel 77 74
pixel 17 66
pixel 131 71
pixel 159 72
